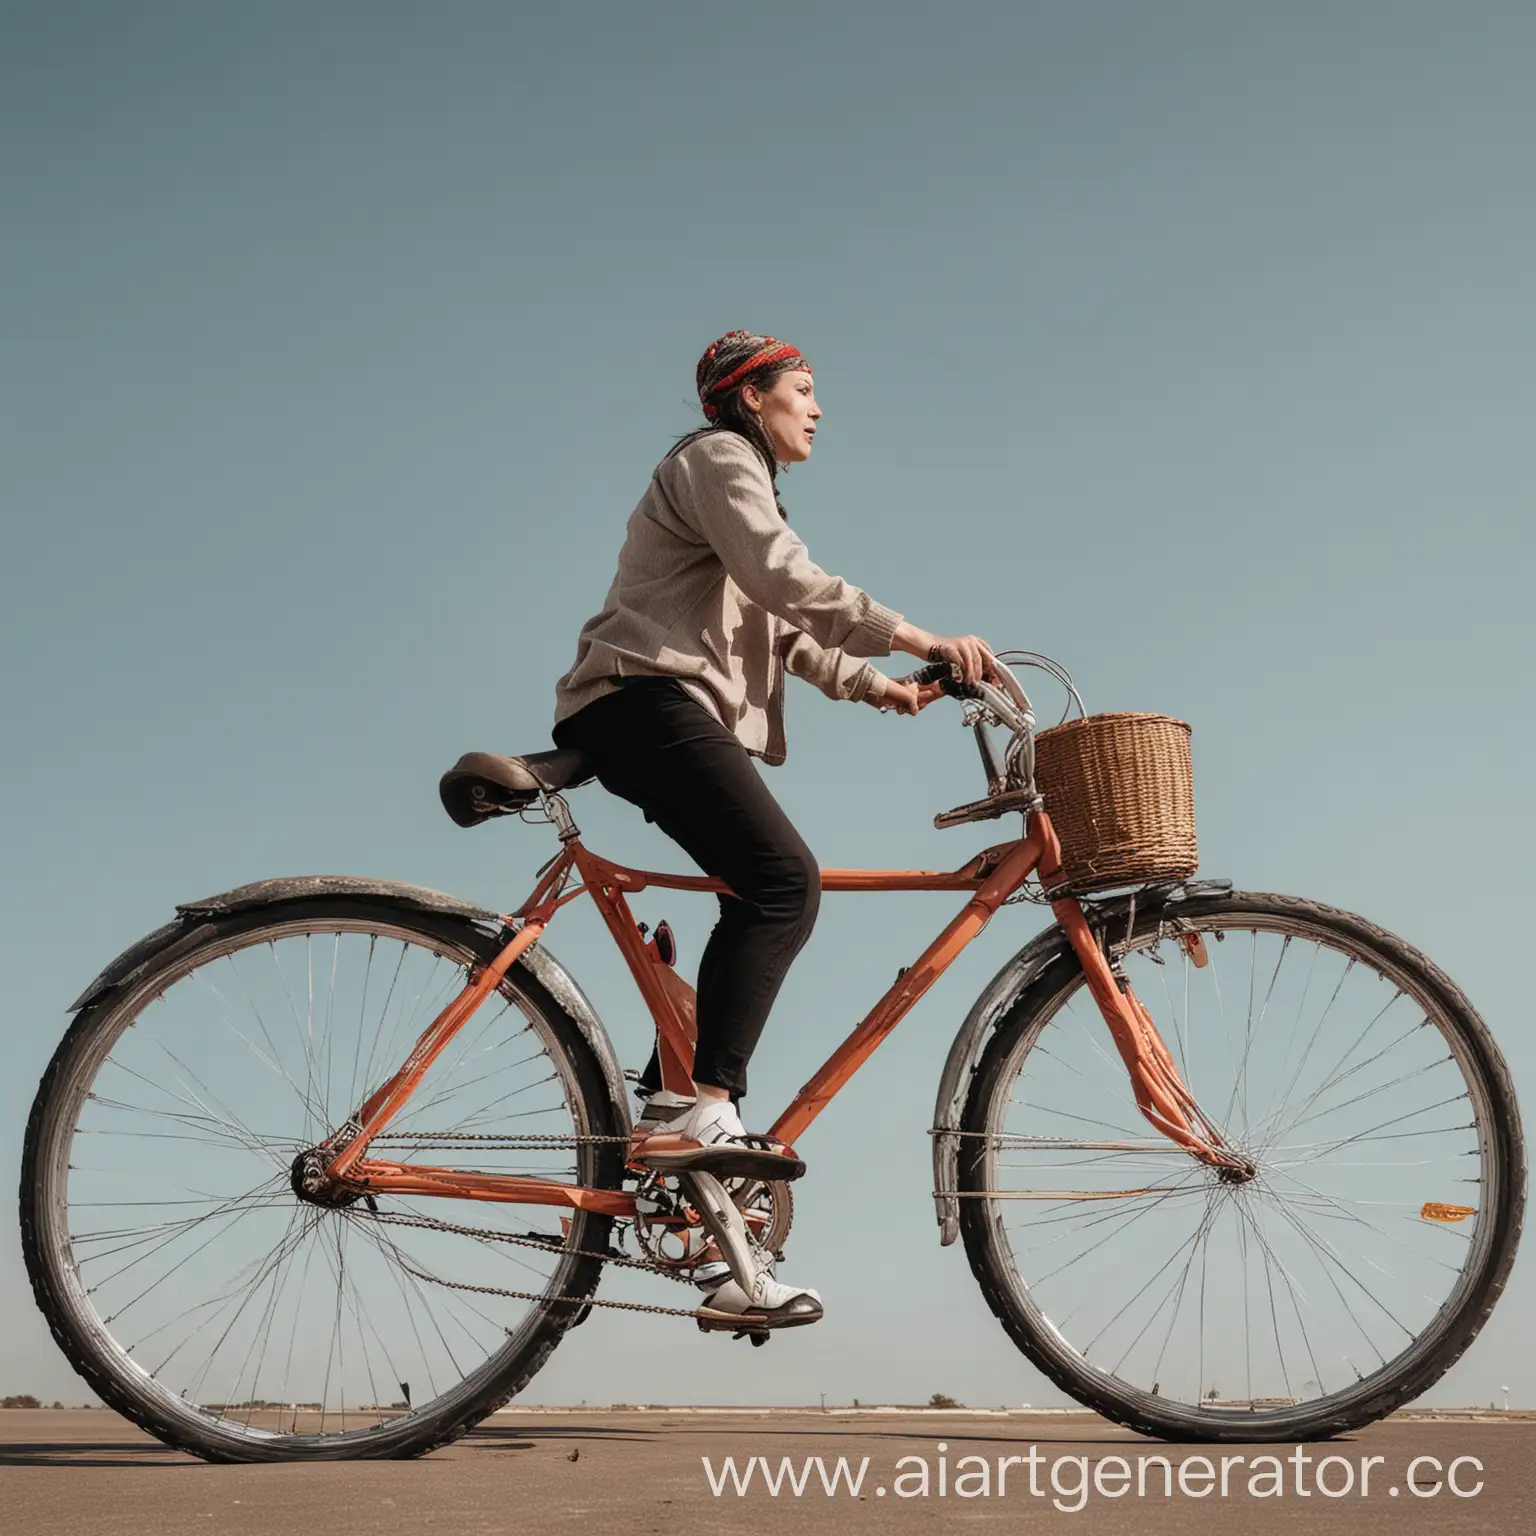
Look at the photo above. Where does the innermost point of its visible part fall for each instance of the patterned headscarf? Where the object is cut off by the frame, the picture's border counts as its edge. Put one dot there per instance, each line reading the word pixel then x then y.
pixel 738 353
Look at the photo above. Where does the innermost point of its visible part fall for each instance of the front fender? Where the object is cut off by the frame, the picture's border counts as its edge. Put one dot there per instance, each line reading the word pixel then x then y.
pixel 183 930
pixel 955 1084
pixel 1047 948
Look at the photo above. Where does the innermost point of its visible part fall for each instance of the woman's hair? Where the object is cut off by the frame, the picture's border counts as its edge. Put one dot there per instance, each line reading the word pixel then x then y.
pixel 733 414
pixel 737 359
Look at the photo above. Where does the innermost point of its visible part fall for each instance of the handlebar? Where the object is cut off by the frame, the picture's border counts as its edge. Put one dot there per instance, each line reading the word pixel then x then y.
pixel 1005 698
pixel 934 672
pixel 1011 780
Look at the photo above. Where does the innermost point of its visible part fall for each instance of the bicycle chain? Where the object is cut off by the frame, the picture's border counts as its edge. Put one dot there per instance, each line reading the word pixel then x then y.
pixel 432 1224
pixel 539 1296
pixel 509 1143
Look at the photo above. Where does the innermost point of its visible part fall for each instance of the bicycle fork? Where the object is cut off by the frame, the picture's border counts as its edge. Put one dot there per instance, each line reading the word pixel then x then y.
pixel 1161 1094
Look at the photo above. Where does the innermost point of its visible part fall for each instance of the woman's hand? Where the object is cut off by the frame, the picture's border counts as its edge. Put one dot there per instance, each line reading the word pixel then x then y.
pixel 972 654
pixel 904 698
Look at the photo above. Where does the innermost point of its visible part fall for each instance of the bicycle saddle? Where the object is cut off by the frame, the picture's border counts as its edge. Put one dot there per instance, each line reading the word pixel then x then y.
pixel 482 784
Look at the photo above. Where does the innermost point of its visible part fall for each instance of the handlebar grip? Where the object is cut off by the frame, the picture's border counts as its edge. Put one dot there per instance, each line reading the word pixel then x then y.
pixel 934 672
pixel 947 675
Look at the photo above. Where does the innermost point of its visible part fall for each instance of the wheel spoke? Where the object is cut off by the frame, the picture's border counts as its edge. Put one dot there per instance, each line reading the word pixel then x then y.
pixel 273 1060
pixel 1304 1281
pixel 189 1246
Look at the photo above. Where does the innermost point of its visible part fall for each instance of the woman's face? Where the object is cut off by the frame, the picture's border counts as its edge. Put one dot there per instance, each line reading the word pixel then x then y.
pixel 789 411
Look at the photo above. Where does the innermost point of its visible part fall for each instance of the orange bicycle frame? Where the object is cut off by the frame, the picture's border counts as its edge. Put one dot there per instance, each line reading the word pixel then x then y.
pixel 992 877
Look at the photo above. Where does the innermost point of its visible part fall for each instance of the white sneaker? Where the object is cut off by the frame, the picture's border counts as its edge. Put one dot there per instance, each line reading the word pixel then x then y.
pixel 770 1302
pixel 687 1127
pixel 768 1294
pixel 710 1138
pixel 714 1120
pixel 662 1109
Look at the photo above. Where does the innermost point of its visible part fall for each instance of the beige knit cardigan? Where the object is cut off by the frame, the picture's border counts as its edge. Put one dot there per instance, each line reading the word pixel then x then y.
pixel 716 589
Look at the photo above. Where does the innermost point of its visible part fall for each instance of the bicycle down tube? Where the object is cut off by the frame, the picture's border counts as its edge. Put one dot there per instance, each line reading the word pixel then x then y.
pixel 992 876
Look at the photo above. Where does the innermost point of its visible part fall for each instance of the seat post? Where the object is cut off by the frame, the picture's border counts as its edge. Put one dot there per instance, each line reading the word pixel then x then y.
pixel 560 813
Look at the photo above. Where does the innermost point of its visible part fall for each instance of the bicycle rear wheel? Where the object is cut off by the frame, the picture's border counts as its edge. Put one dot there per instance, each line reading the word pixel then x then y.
pixel 173 1256
pixel 1338 1283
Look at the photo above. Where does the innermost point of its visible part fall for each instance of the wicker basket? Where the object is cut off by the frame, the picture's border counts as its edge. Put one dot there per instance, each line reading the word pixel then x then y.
pixel 1121 794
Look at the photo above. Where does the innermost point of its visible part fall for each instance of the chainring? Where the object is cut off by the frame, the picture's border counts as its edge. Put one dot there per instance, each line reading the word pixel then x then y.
pixel 671 1235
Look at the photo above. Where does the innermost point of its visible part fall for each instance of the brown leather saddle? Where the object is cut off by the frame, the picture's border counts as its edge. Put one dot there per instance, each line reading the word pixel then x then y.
pixel 482 784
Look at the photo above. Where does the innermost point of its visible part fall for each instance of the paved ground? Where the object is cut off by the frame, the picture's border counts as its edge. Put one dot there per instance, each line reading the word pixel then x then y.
pixel 642 1472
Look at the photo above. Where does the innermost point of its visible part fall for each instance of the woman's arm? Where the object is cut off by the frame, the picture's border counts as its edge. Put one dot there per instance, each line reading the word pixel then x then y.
pixel 841 676
pixel 834 672
pixel 728 500
pixel 732 508
pixel 974 655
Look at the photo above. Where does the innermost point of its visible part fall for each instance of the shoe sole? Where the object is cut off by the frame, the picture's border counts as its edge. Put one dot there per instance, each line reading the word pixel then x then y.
pixel 723 1162
pixel 793 1314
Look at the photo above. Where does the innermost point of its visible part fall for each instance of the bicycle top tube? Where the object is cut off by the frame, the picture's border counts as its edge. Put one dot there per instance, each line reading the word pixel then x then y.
pixel 970 876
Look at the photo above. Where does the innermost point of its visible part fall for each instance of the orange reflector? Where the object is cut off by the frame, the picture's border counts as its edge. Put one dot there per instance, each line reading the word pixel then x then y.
pixel 1434 1211
pixel 1194 946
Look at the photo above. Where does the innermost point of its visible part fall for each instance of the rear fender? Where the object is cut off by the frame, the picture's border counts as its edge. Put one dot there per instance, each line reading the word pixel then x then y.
pixel 1109 919
pixel 185 931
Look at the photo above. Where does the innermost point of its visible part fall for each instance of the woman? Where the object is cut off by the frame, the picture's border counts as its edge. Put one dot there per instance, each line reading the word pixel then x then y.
pixel 678 684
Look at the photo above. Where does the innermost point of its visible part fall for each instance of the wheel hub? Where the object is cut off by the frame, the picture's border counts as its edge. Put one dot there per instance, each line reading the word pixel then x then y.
pixel 314 1185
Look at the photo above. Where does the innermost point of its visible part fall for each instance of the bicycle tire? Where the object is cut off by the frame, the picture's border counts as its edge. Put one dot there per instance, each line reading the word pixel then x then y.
pixel 85 1339
pixel 1412 1372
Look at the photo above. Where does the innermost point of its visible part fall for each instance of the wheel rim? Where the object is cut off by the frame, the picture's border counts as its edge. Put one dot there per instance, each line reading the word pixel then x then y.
pixel 181 1251
pixel 1310 1287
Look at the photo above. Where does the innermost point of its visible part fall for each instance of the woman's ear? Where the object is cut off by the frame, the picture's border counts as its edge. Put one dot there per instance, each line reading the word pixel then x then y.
pixel 752 398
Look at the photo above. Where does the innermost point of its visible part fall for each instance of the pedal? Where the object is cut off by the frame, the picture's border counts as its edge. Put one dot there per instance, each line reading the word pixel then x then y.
pixel 756 1336
pixel 795 1313
pixel 718 1324
pixel 719 1161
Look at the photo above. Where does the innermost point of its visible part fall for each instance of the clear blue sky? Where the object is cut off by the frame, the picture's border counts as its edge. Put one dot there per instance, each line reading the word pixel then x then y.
pixel 1190 343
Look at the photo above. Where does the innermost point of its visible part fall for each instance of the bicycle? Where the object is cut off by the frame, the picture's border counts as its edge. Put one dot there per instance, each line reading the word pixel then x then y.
pixel 235 1203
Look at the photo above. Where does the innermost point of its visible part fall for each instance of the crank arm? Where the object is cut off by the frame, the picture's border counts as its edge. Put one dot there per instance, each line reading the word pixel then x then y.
pixel 723 1221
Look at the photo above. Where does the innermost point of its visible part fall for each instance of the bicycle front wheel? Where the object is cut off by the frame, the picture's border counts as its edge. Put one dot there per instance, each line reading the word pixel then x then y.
pixel 1341 1280
pixel 170 1246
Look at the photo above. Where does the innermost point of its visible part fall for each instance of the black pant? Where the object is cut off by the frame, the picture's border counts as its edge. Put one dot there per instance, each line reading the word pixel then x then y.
pixel 657 747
